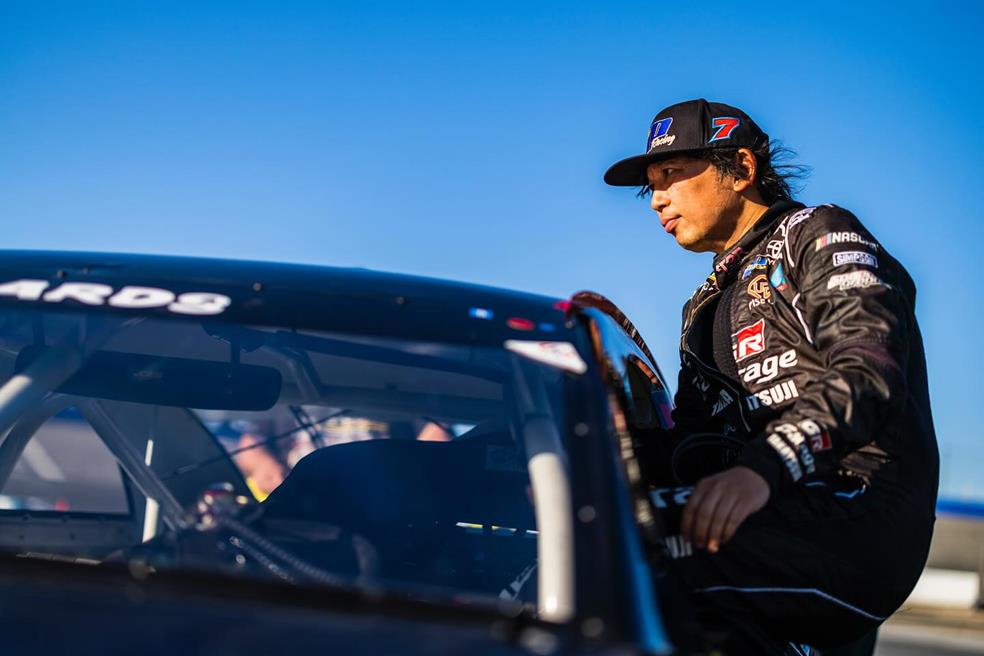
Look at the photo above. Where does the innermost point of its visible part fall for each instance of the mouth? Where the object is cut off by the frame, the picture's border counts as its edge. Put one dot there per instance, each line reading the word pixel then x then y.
pixel 669 223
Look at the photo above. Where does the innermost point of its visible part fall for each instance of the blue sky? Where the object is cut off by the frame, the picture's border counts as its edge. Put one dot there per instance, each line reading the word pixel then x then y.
pixel 467 140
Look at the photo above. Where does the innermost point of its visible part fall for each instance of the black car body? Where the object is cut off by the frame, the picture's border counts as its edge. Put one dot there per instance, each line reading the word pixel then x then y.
pixel 454 466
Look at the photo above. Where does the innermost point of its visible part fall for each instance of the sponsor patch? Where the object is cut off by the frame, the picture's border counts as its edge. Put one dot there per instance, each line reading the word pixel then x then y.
pixel 844 237
pixel 723 401
pixel 724 126
pixel 729 259
pixel 809 427
pixel 778 278
pixel 748 341
pixel 795 438
pixel 855 257
pixel 820 442
pixel 758 263
pixel 774 395
pixel 768 369
pixel 791 432
pixel 774 249
pixel 788 456
pixel 819 438
pixel 759 288
pixel 854 280
pixel 658 134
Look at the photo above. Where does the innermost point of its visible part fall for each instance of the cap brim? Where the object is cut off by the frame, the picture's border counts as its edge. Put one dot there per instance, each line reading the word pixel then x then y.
pixel 631 171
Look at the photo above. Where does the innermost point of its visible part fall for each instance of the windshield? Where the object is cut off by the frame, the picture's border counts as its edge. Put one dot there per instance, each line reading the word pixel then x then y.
pixel 305 457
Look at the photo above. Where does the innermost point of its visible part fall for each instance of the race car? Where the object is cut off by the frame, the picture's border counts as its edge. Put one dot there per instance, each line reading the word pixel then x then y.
pixel 215 457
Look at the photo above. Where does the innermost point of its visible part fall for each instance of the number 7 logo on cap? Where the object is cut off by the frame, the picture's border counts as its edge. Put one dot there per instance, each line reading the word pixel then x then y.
pixel 725 126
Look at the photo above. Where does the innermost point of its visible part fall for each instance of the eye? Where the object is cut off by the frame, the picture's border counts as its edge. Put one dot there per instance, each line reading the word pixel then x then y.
pixel 667 171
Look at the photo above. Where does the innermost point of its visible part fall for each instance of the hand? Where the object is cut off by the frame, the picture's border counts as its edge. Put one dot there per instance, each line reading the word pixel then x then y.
pixel 719 504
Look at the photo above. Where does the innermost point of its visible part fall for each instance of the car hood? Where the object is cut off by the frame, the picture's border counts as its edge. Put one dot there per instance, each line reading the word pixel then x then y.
pixel 82 610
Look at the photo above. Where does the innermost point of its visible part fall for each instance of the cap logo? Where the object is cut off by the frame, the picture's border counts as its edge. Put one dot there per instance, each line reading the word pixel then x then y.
pixel 724 125
pixel 658 134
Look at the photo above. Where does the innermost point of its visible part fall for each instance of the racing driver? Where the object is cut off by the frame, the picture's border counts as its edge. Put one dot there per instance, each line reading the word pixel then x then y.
pixel 802 416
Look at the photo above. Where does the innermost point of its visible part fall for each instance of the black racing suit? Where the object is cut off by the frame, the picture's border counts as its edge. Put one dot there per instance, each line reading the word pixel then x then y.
pixel 802 348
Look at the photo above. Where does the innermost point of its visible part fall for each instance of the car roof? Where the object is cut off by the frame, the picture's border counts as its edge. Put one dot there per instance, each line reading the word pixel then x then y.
pixel 305 296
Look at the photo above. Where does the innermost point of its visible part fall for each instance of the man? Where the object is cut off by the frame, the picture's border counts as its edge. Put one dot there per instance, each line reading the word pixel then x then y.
pixel 803 373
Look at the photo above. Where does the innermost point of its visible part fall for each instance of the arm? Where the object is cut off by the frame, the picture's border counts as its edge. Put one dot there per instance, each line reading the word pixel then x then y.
pixel 854 305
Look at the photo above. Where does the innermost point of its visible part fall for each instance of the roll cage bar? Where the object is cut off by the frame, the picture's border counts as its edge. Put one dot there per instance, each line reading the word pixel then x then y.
pixel 26 402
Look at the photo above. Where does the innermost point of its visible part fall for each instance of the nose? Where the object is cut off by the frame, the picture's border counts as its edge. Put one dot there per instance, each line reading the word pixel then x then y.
pixel 659 200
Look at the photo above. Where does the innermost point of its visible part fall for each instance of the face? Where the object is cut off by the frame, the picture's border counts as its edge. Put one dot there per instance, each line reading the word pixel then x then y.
pixel 694 203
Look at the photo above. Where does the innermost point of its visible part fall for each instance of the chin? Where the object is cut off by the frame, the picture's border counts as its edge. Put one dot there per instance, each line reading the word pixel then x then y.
pixel 694 245
pixel 684 240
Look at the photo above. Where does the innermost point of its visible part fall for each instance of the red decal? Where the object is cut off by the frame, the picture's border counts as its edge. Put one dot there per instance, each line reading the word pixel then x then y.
pixel 724 125
pixel 517 323
pixel 820 442
pixel 749 341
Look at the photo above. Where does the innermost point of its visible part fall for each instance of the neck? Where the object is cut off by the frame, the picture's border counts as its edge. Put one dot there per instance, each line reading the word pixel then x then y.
pixel 751 211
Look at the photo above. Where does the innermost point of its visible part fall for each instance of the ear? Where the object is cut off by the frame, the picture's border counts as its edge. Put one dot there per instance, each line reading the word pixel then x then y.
pixel 746 162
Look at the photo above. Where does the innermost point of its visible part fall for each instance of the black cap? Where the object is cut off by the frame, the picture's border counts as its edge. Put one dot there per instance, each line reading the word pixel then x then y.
pixel 686 127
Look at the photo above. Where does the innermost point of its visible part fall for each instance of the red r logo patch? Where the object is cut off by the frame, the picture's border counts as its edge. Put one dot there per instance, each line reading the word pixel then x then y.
pixel 748 341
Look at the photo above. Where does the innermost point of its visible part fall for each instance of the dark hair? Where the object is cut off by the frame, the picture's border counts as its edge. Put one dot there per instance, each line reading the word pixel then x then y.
pixel 774 179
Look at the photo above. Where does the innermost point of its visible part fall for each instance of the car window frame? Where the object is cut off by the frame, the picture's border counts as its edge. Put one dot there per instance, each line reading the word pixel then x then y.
pixel 634 610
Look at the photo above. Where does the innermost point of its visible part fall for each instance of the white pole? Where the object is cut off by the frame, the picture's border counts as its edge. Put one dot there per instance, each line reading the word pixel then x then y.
pixel 153 508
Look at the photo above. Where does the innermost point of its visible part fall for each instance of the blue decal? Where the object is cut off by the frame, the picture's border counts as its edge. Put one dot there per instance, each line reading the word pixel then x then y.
pixel 759 263
pixel 480 313
pixel 658 129
pixel 778 278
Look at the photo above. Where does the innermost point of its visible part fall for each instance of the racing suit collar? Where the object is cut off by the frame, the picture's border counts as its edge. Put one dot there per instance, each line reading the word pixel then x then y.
pixel 725 260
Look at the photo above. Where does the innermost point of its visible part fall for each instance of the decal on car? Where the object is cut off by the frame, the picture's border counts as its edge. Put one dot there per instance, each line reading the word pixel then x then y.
pixel 562 355
pixel 480 313
pixel 130 296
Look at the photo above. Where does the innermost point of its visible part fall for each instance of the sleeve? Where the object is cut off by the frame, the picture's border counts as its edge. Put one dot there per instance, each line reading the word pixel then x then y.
pixel 854 305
